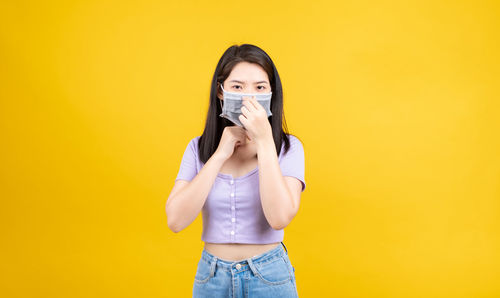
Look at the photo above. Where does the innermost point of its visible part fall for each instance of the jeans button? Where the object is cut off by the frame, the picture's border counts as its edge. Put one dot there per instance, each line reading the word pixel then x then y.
pixel 238 266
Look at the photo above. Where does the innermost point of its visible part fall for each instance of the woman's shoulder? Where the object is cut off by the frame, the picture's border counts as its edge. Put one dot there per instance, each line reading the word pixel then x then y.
pixel 294 140
pixel 192 145
pixel 291 136
pixel 194 140
pixel 295 146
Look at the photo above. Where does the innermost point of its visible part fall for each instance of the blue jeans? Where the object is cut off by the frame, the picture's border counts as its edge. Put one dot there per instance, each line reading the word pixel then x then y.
pixel 270 274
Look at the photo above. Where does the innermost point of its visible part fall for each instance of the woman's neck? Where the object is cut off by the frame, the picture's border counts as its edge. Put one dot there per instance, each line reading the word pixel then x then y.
pixel 246 150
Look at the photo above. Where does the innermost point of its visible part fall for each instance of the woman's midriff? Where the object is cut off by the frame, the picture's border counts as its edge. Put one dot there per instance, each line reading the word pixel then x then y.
pixel 238 251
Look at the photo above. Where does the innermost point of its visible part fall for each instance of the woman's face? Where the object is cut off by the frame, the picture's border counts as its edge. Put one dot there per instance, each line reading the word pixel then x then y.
pixel 246 77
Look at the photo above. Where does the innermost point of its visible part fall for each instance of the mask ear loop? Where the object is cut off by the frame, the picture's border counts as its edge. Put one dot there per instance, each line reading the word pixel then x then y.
pixel 220 100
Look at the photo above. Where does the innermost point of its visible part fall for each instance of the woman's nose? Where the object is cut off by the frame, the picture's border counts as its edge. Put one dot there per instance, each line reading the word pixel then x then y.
pixel 250 90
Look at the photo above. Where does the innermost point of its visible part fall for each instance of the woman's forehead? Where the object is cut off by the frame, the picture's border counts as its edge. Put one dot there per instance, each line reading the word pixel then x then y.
pixel 248 73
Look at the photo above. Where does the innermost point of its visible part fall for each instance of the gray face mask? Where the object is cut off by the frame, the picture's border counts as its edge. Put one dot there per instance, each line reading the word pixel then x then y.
pixel 233 102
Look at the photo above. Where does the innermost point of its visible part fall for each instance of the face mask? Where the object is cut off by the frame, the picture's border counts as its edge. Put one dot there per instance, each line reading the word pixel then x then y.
pixel 233 102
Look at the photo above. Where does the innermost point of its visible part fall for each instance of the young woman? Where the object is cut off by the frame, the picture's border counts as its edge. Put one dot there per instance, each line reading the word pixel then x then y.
pixel 245 174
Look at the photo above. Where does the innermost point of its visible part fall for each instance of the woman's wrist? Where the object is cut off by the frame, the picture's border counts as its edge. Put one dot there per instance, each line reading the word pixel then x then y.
pixel 218 157
pixel 265 145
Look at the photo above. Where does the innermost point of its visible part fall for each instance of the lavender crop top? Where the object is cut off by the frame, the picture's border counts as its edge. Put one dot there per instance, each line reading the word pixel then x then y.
pixel 232 212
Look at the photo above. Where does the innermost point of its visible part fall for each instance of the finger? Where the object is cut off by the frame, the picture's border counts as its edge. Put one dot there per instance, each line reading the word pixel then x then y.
pixel 240 129
pixel 247 102
pixel 247 134
pixel 239 138
pixel 255 103
pixel 238 132
pixel 245 111
pixel 243 120
pixel 241 132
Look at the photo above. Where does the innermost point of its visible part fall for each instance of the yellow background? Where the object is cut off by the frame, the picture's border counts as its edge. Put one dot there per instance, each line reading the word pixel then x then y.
pixel 396 103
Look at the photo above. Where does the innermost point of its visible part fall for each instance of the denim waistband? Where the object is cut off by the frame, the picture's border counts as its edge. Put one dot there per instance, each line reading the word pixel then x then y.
pixel 227 265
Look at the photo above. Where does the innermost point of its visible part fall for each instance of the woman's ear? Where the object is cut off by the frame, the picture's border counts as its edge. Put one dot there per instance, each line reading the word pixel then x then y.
pixel 219 92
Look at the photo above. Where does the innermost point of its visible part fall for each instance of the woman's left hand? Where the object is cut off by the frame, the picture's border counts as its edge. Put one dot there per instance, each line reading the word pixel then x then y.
pixel 254 119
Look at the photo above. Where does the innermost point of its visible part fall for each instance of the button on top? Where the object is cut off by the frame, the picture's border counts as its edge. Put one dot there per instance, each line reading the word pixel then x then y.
pixel 232 194
pixel 238 266
pixel 232 181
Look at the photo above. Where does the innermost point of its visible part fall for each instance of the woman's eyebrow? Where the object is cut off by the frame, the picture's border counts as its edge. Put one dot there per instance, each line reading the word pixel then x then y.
pixel 236 81
pixel 259 82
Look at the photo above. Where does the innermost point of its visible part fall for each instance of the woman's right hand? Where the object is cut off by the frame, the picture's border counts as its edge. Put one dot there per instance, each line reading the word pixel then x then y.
pixel 232 136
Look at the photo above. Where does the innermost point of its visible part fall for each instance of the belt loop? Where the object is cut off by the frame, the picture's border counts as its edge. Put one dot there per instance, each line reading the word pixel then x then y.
pixel 252 266
pixel 284 247
pixel 212 266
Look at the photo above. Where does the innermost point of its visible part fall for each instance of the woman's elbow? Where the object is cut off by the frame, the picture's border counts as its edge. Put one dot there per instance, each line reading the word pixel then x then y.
pixel 172 225
pixel 282 222
pixel 279 224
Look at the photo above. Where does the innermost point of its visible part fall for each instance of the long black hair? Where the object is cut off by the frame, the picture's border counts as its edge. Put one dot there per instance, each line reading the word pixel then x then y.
pixel 214 125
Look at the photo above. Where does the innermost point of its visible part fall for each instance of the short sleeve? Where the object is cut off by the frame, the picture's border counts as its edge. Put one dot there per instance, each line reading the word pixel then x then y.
pixel 188 168
pixel 292 163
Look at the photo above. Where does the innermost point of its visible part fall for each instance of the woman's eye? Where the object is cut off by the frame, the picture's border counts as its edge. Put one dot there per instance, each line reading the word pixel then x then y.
pixel 261 87
pixel 236 86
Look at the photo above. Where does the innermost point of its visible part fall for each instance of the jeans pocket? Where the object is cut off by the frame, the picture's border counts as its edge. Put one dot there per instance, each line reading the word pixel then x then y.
pixel 203 272
pixel 274 272
pixel 289 264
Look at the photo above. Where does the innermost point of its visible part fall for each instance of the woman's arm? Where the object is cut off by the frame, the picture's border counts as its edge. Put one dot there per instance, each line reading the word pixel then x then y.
pixel 280 195
pixel 188 197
